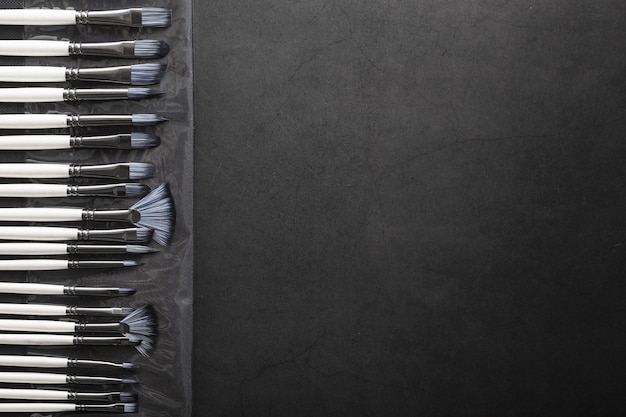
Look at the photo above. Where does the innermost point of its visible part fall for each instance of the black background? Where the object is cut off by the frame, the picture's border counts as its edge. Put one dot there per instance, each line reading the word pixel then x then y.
pixel 410 208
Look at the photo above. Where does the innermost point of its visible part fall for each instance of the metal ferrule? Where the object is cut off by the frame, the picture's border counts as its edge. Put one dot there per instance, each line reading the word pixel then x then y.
pixel 80 94
pixel 81 249
pixel 122 141
pixel 103 341
pixel 127 216
pixel 94 311
pixel 79 264
pixel 121 49
pixel 122 17
pixel 101 408
pixel 110 171
pixel 119 75
pixel 104 190
pixel 111 235
pixel 91 380
pixel 95 120
pixel 90 291
pixel 94 396
pixel 85 363
pixel 101 327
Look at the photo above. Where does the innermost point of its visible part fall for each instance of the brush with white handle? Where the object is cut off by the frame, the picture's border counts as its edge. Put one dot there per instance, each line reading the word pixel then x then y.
pixel 118 171
pixel 55 95
pixel 31 288
pixel 62 121
pixel 123 49
pixel 51 362
pixel 30 190
pixel 66 395
pixel 44 378
pixel 44 248
pixel 144 345
pixel 66 408
pixel 56 310
pixel 130 17
pixel 135 140
pixel 52 234
pixel 62 264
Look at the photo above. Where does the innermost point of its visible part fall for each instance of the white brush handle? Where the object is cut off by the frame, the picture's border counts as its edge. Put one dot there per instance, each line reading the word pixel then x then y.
pixel 38 233
pixel 41 214
pixel 34 48
pixel 33 265
pixel 33 190
pixel 30 170
pixel 37 326
pixel 33 74
pixel 34 142
pixel 38 17
pixel 31 95
pixel 31 288
pixel 32 309
pixel 31 248
pixel 33 361
pixel 36 407
pixel 33 394
pixel 33 121
pixel 32 377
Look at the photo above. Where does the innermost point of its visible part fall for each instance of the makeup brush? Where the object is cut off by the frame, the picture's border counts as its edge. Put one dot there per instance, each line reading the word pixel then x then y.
pixel 61 121
pixel 142 49
pixel 28 361
pixel 53 94
pixel 66 408
pixel 63 395
pixel 118 171
pixel 135 140
pixel 144 345
pixel 40 248
pixel 138 74
pixel 62 264
pixel 52 289
pixel 29 190
pixel 55 234
pixel 133 17
pixel 44 378
pixel 155 211
pixel 56 310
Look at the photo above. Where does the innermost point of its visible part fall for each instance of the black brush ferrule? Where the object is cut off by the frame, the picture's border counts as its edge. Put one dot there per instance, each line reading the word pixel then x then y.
pixel 81 249
pixel 106 171
pixel 103 341
pixel 118 75
pixel 103 190
pixel 122 17
pixel 121 141
pixel 80 264
pixel 112 235
pixel 99 120
pixel 94 311
pixel 80 94
pixel 85 363
pixel 121 49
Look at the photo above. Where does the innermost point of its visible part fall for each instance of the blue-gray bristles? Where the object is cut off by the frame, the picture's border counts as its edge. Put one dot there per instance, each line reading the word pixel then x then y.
pixel 144 234
pixel 147 119
pixel 127 310
pixel 157 212
pixel 130 408
pixel 140 170
pixel 130 263
pixel 140 249
pixel 141 140
pixel 156 17
pixel 129 366
pixel 148 48
pixel 146 74
pixel 138 93
pixel 127 397
pixel 134 190
pixel 142 329
pixel 125 292
pixel 129 381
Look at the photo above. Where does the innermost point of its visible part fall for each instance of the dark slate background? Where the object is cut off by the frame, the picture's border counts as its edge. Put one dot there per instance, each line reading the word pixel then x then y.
pixel 410 208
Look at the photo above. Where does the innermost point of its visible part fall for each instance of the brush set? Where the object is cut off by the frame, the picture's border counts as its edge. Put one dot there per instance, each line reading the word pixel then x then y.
pixel 36 235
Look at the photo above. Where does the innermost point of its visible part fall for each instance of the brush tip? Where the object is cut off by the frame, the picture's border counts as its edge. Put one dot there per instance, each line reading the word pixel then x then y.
pixel 147 119
pixel 156 17
pixel 140 249
pixel 138 93
pixel 125 292
pixel 127 310
pixel 131 263
pixel 129 381
pixel 130 408
pixel 134 190
pixel 157 212
pixel 147 74
pixel 140 170
pixel 142 140
pixel 128 397
pixel 148 48
pixel 129 366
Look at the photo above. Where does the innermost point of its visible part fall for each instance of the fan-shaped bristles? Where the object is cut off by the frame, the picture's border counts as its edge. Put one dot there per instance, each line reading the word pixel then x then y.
pixel 126 311
pixel 141 322
pixel 157 212
pixel 156 17
pixel 148 48
pixel 130 408
pixel 146 74
pixel 125 292
pixel 144 234
pixel 127 397
pixel 144 345
pixel 140 170
pixel 136 190
pixel 138 93
pixel 141 140
pixel 140 249
pixel 147 119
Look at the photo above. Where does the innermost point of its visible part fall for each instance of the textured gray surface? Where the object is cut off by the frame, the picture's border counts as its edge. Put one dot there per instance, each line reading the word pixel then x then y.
pixel 410 208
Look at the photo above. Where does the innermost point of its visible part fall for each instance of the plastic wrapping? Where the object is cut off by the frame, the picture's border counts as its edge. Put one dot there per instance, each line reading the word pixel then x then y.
pixel 165 281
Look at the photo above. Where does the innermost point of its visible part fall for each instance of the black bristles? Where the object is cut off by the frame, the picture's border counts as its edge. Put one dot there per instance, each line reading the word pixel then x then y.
pixel 146 74
pixel 144 234
pixel 134 190
pixel 156 17
pixel 140 249
pixel 138 93
pixel 147 119
pixel 148 48
pixel 141 140
pixel 157 212
pixel 125 292
pixel 140 170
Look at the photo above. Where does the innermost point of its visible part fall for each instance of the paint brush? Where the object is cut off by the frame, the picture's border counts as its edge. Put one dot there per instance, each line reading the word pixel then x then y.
pixel 138 74
pixel 55 234
pixel 28 361
pixel 61 121
pixel 135 140
pixel 142 49
pixel 44 378
pixel 66 395
pixel 42 248
pixel 62 264
pixel 131 17
pixel 30 190
pixel 29 288
pixel 53 94
pixel 142 344
pixel 56 310
pixel 66 408
pixel 118 171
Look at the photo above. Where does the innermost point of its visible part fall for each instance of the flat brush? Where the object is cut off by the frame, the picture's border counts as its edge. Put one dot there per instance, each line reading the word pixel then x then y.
pixel 138 74
pixel 132 17
pixel 155 211
pixel 28 361
pixel 55 234
pixel 44 378
pixel 142 49
pixel 53 289
pixel 63 395
pixel 64 407
pixel 61 264
pixel 135 140
pixel 54 95
pixel 56 310
pixel 41 248
pixel 62 121
pixel 118 171
pixel 29 190
pixel 143 345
